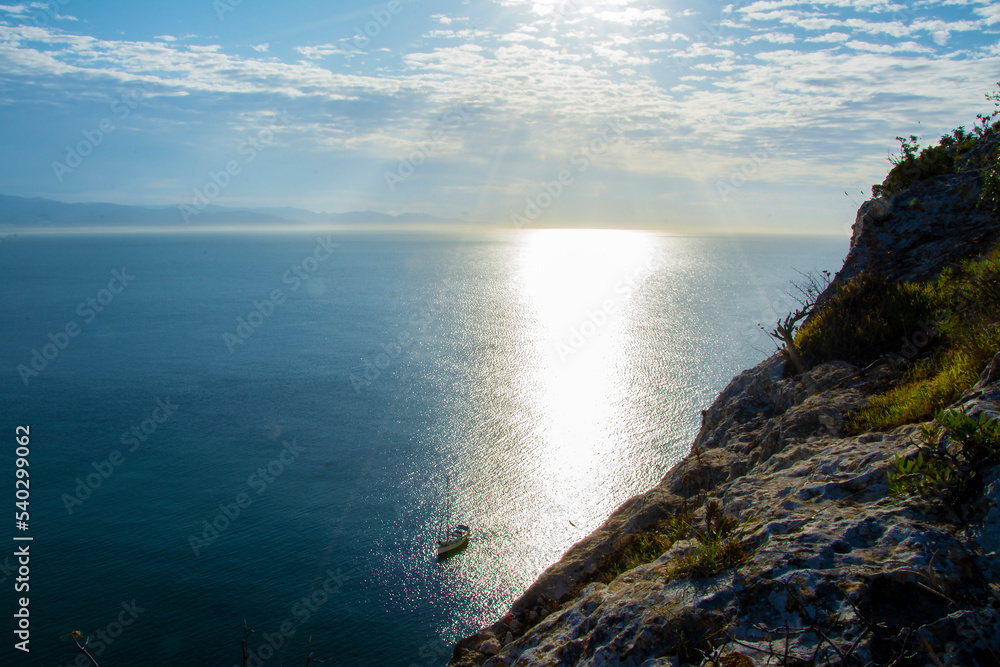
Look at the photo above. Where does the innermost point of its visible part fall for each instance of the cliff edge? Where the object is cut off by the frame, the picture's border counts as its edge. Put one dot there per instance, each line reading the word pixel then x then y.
pixel 786 536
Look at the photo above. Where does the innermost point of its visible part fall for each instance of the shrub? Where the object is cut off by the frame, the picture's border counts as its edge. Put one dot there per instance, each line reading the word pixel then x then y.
pixel 911 166
pixel 949 468
pixel 970 337
pixel 919 476
pixel 866 318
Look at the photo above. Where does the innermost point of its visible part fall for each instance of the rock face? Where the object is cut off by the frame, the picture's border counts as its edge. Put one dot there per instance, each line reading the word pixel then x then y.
pixel 935 223
pixel 837 571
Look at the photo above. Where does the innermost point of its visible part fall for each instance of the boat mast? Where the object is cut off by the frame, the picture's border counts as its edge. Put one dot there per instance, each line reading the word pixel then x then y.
pixel 447 510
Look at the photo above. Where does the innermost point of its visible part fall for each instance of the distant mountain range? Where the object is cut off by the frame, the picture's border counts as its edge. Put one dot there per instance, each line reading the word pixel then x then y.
pixel 23 212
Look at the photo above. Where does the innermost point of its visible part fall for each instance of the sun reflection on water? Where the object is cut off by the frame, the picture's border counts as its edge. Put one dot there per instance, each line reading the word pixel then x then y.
pixel 559 423
pixel 579 286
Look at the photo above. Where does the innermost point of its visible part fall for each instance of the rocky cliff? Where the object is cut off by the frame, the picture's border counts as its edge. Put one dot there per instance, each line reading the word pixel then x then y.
pixel 783 543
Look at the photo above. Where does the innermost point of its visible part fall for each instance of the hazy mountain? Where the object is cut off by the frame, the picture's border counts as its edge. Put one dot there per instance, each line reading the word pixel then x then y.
pixel 38 212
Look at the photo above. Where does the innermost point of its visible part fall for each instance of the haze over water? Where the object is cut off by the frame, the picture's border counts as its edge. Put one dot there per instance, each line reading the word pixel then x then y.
pixel 551 373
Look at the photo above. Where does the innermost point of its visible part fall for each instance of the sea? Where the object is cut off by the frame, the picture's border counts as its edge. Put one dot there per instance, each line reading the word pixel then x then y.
pixel 248 442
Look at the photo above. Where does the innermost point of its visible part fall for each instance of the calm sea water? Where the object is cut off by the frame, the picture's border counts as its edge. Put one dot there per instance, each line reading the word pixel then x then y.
pixel 325 393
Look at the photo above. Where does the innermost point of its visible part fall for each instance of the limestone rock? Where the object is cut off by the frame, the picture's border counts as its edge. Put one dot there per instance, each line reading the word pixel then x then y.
pixel 489 647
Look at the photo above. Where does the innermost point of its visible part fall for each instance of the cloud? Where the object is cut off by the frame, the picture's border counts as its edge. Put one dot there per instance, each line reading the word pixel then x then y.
pixel 829 37
pixel 633 16
pixel 912 47
pixel 319 51
pixel 19 10
pixel 990 13
pixel 773 37
pixel 846 75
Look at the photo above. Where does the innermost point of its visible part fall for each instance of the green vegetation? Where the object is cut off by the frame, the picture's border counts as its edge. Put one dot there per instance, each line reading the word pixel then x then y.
pixel 990 195
pixel 949 329
pixel 912 166
pixel 865 319
pixel 961 339
pixel 918 476
pixel 929 386
pixel 950 466
pixel 870 315
pixel 717 547
pixel 915 164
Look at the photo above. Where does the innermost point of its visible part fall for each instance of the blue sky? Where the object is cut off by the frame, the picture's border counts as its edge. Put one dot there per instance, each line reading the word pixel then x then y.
pixel 671 114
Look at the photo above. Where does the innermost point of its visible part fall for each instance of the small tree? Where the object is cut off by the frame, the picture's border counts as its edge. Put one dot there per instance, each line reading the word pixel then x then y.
pixel 806 293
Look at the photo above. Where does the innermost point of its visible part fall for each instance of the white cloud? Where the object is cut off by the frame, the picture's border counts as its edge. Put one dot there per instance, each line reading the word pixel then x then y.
pixel 830 37
pixel 667 37
pixel 319 51
pixel 912 47
pixel 774 37
pixel 848 74
pixel 990 13
pixel 633 16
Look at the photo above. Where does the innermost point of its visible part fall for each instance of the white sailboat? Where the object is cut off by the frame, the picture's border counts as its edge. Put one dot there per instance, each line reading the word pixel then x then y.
pixel 451 539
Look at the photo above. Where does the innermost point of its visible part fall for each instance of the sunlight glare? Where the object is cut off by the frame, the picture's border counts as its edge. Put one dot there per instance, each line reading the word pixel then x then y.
pixel 579 286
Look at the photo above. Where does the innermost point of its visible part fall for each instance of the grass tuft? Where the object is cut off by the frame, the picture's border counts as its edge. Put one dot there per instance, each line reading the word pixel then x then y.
pixel 718 546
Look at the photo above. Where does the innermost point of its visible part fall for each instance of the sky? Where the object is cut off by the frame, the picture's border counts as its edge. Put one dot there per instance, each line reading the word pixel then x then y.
pixel 772 115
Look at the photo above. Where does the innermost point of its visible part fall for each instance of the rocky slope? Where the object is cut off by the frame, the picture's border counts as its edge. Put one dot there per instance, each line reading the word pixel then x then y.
pixel 836 570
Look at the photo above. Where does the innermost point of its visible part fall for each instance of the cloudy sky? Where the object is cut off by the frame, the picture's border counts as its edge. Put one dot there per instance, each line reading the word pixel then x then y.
pixel 653 113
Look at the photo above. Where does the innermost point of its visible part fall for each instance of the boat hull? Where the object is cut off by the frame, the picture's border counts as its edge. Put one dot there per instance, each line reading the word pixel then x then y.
pixel 451 546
